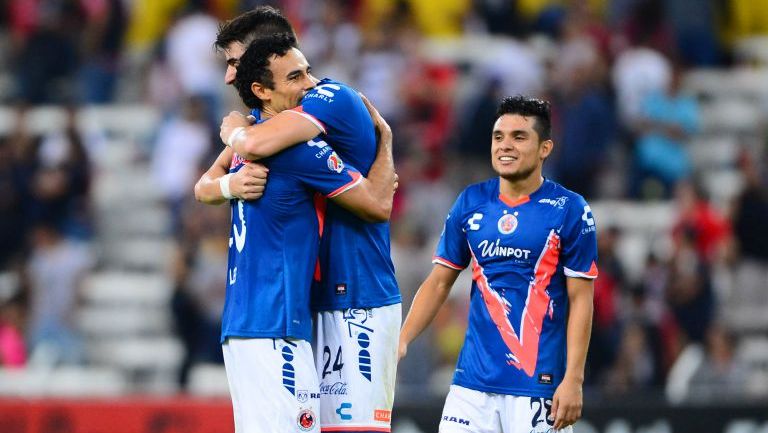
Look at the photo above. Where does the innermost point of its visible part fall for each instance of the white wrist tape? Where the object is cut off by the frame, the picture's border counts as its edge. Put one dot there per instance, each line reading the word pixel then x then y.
pixel 235 135
pixel 224 186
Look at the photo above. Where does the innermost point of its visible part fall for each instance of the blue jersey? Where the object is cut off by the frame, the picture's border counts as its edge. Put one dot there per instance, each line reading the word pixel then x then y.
pixel 273 244
pixel 356 270
pixel 521 253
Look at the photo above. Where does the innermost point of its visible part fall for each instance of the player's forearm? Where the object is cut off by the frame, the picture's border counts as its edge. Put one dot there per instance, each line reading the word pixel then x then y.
pixel 265 139
pixel 426 303
pixel 208 190
pixel 382 174
pixel 579 328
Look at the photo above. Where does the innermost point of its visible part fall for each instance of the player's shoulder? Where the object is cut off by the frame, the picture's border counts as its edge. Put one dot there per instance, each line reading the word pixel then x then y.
pixel 478 193
pixel 329 91
pixel 557 195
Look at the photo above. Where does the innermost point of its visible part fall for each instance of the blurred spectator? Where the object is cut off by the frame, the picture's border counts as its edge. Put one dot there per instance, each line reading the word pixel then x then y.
pixel 331 42
pixel 750 213
pixel 13 351
pixel 585 127
pixel 667 118
pixel 56 268
pixel 695 33
pixel 182 143
pixel 47 59
pixel 720 376
pixel 101 46
pixel 647 25
pixel 606 322
pixel 61 181
pixel 12 227
pixel 193 60
pixel 200 267
pixel 638 72
pixel 689 291
pixel 697 216
pixel 633 370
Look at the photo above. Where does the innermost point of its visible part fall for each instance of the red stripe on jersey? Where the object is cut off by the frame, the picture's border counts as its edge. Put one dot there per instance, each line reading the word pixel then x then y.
pixel 311 118
pixel 592 273
pixel 447 263
pixel 356 178
pixel 320 205
pixel 524 349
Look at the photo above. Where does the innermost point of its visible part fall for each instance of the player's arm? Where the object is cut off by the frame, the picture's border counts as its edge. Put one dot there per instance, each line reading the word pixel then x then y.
pixel 426 303
pixel 247 183
pixel 568 399
pixel 258 141
pixel 372 199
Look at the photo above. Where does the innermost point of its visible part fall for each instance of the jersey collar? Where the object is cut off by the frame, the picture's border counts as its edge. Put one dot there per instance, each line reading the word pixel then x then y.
pixel 522 200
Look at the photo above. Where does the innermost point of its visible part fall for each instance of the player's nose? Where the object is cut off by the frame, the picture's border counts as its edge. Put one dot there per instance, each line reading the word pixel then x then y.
pixel 229 75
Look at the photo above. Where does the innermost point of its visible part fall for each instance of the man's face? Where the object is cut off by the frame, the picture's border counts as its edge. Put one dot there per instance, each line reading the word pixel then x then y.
pixel 232 55
pixel 292 77
pixel 516 152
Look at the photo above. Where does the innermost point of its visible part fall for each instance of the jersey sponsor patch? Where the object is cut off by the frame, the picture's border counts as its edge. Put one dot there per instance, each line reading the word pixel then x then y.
pixel 335 163
pixel 306 420
pixel 507 224
pixel 545 378
pixel 382 415
pixel 341 289
pixel 455 419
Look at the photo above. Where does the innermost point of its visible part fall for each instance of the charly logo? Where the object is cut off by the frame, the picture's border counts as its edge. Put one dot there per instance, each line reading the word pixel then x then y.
pixel 507 224
pixel 335 163
pixel 341 411
pixel 306 420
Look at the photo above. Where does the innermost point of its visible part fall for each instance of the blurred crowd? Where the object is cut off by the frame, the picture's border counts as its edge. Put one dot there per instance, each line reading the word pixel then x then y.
pixel 623 121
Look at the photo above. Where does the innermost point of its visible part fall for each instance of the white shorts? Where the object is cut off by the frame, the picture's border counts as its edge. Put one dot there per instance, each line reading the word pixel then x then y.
pixel 273 384
pixel 356 360
pixel 467 410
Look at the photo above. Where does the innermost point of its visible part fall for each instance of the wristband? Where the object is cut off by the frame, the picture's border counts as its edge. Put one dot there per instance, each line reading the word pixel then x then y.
pixel 234 135
pixel 224 186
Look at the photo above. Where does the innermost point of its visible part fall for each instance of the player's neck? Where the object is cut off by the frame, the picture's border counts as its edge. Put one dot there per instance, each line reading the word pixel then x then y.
pixel 520 188
pixel 267 112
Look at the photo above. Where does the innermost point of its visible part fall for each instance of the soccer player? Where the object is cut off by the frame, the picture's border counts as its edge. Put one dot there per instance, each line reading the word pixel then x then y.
pixel 532 246
pixel 356 299
pixel 266 324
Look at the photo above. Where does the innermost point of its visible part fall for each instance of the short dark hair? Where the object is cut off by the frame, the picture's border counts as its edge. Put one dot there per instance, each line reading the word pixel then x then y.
pixel 254 65
pixel 527 106
pixel 244 28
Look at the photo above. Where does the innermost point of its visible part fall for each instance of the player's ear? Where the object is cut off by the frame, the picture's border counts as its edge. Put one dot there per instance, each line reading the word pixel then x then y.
pixel 261 91
pixel 545 148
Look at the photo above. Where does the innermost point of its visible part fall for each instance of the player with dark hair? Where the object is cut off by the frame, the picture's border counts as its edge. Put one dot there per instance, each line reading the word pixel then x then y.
pixel 267 324
pixel 533 251
pixel 355 297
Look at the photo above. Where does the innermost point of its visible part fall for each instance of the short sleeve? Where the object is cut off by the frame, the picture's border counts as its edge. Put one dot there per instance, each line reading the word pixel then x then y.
pixel 579 241
pixel 327 105
pixel 319 167
pixel 453 250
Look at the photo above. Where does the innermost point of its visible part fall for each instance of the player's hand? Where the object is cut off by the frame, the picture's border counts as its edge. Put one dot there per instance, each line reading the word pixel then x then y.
pixel 381 125
pixel 402 350
pixel 249 182
pixel 231 121
pixel 567 403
